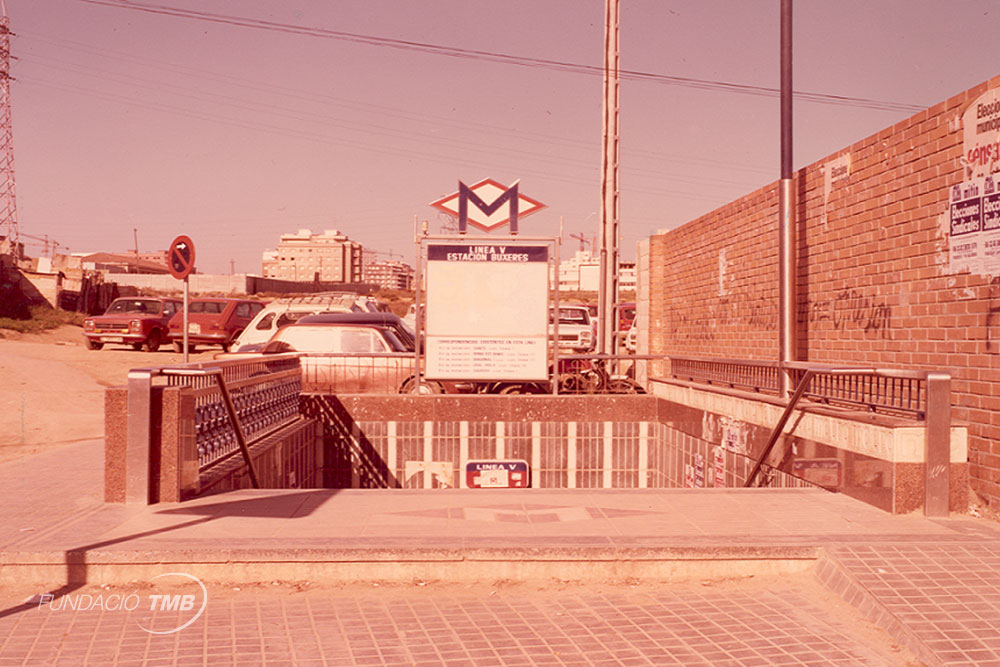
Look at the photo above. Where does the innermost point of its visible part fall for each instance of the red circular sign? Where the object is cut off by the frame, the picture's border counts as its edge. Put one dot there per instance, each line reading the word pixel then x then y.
pixel 180 258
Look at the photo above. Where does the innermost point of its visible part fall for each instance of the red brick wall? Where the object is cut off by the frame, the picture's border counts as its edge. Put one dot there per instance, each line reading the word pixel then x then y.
pixel 874 284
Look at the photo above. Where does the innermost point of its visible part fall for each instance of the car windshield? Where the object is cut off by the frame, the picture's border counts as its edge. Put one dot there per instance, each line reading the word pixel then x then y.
pixel 573 316
pixel 213 307
pixel 148 306
pixel 395 341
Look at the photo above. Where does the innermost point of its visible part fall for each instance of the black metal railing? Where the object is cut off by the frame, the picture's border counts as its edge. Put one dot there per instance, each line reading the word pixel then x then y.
pixel 887 391
pixel 264 395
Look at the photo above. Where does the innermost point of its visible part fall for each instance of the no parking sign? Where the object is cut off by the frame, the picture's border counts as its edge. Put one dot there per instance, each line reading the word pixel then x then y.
pixel 180 257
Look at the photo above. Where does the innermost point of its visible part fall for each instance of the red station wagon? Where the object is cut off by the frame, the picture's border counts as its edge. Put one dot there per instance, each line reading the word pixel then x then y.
pixel 213 321
pixel 137 321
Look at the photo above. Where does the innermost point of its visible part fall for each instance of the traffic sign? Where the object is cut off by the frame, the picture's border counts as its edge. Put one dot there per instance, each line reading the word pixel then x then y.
pixel 180 258
pixel 496 474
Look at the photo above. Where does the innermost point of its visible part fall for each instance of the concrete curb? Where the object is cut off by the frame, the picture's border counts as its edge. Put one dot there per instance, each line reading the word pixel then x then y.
pixel 467 565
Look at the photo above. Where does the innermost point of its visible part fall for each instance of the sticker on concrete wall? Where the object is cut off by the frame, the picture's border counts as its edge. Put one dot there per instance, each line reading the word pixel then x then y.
pixel 981 135
pixel 825 472
pixel 734 435
pixel 688 476
pixel 719 455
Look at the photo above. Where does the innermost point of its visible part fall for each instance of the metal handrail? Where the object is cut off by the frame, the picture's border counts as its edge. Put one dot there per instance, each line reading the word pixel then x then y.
pixel 892 391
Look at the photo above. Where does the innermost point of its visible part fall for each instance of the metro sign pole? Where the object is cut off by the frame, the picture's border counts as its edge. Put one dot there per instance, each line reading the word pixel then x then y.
pixel 607 294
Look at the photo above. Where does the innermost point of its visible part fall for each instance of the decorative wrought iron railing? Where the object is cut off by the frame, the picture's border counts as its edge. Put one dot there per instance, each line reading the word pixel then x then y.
pixel 264 393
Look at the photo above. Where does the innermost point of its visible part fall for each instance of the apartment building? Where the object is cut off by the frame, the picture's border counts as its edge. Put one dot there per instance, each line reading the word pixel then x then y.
pixel 306 257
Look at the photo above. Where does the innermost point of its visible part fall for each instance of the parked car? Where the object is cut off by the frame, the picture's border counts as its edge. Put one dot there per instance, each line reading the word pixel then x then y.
pixel 387 321
pixel 576 328
pixel 282 312
pixel 213 321
pixel 137 321
pixel 347 358
pixel 624 315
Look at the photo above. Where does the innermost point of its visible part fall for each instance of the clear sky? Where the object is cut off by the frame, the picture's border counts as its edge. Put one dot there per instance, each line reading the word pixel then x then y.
pixel 128 120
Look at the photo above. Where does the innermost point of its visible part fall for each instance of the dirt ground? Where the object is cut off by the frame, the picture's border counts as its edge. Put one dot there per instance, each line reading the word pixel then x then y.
pixel 52 386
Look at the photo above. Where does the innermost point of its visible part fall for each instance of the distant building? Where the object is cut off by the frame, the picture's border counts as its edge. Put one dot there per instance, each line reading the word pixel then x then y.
pixel 389 275
pixel 158 257
pixel 120 263
pixel 306 257
pixel 582 273
pixel 626 276
pixel 579 273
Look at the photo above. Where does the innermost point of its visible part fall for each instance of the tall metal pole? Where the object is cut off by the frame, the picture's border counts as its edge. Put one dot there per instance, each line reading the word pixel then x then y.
pixel 8 203
pixel 607 294
pixel 786 223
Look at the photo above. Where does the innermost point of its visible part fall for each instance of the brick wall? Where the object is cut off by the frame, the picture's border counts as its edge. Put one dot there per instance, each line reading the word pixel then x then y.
pixel 875 283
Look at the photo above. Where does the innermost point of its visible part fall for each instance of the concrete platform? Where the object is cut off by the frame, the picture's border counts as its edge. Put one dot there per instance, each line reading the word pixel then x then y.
pixel 930 584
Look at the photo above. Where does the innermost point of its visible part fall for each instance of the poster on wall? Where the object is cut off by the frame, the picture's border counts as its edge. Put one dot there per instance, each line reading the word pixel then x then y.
pixel 974 226
pixel 965 213
pixel 487 311
pixel 981 135
pixel 991 225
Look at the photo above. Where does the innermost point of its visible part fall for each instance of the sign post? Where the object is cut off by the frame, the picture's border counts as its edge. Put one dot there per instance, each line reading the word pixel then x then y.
pixel 180 262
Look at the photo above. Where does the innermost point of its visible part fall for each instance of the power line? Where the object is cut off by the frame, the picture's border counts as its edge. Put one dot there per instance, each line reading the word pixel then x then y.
pixel 319 98
pixel 490 56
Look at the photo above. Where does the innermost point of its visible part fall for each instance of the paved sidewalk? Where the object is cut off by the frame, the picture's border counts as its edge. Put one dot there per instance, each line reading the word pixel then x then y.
pixel 610 577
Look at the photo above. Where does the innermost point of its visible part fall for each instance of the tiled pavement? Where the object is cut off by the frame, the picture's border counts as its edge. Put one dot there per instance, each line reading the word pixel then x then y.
pixel 930 586
pixel 584 626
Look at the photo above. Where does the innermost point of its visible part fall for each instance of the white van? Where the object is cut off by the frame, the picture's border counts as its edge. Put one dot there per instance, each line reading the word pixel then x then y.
pixel 284 311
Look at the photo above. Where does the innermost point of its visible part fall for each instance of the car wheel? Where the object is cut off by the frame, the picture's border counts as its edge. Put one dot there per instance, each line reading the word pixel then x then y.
pixel 625 386
pixel 137 346
pixel 426 387
pixel 153 341
pixel 520 388
pixel 94 344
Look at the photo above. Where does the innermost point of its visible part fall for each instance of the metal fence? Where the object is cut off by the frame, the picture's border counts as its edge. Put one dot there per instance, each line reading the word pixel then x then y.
pixel 342 373
pixel 887 391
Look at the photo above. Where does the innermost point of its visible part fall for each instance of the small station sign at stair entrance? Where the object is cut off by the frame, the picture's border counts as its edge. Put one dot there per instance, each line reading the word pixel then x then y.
pixel 496 474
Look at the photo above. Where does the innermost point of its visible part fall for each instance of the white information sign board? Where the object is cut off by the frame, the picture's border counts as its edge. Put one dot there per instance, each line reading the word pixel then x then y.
pixel 487 311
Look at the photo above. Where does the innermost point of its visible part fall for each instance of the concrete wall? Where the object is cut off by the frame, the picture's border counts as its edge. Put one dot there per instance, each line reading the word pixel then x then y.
pixel 204 283
pixel 682 437
pixel 878 282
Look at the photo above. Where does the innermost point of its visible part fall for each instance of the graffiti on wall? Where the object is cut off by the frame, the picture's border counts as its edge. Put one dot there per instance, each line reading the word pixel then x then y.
pixel 849 310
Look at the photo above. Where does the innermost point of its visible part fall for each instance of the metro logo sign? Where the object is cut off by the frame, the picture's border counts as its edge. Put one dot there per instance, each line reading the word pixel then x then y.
pixel 493 206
